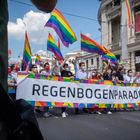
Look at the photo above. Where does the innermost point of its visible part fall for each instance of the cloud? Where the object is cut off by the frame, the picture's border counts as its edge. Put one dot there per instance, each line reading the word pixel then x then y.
pixel 88 34
pixel 34 22
pixel 41 52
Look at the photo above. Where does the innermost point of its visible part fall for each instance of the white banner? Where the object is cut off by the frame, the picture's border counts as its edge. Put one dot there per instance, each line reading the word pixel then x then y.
pixel 57 91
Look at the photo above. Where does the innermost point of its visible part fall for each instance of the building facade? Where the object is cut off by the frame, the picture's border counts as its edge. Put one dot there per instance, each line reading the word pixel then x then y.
pixel 92 61
pixel 111 16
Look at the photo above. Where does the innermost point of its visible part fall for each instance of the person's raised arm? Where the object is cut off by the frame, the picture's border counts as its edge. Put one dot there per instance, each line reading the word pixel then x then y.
pixel 136 78
pixel 65 60
pixel 28 66
pixel 74 62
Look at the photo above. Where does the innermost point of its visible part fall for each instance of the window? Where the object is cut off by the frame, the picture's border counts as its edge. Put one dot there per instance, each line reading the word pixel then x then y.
pixel 92 62
pixel 116 2
pixel 87 63
pixel 97 62
pixel 115 30
pixel 137 57
pixel 137 61
pixel 130 55
pixel 137 19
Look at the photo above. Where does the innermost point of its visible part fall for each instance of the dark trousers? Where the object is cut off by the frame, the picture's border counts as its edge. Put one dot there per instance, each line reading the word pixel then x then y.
pixel 63 109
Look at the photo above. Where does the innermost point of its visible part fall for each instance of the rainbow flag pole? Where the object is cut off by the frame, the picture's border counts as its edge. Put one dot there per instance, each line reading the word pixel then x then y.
pixel 27 55
pixel 38 59
pixel 53 47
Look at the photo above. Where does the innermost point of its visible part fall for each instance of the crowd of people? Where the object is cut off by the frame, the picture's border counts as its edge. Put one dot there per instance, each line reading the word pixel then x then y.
pixel 115 73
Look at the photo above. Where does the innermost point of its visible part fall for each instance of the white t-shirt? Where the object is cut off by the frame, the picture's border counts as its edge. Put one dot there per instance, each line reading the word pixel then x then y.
pixel 46 73
pixel 56 70
pixel 138 80
pixel 128 79
pixel 81 74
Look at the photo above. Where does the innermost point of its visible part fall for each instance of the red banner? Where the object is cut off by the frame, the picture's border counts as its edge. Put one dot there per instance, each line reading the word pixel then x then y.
pixel 137 22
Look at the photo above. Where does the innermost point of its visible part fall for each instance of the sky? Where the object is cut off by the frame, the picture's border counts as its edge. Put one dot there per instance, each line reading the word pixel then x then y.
pixel 24 17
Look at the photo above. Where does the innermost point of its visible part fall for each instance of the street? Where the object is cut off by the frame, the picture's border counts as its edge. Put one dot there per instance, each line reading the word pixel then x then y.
pixel 118 126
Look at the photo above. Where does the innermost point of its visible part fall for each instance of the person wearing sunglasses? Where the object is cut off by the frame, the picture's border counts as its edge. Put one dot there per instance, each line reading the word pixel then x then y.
pixel 34 69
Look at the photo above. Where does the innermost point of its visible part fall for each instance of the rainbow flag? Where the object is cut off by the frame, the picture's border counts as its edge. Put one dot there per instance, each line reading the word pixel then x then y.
pixel 62 28
pixel 109 56
pixel 91 46
pixel 52 46
pixel 129 12
pixel 26 54
pixel 38 59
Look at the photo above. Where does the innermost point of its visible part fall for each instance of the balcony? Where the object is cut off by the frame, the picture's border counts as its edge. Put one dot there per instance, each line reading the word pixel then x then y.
pixel 104 3
pixel 115 46
pixel 137 37
pixel 114 12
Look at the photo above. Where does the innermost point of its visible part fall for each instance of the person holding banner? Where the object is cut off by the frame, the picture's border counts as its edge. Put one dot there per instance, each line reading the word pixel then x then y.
pixel 81 73
pixel 47 69
pixel 107 76
pixel 114 78
pixel 56 68
pixel 40 110
pixel 99 76
pixel 13 73
pixel 33 69
pixel 129 77
pixel 65 72
pixel 137 79
pixel 120 74
pixel 93 75
pixel 12 81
